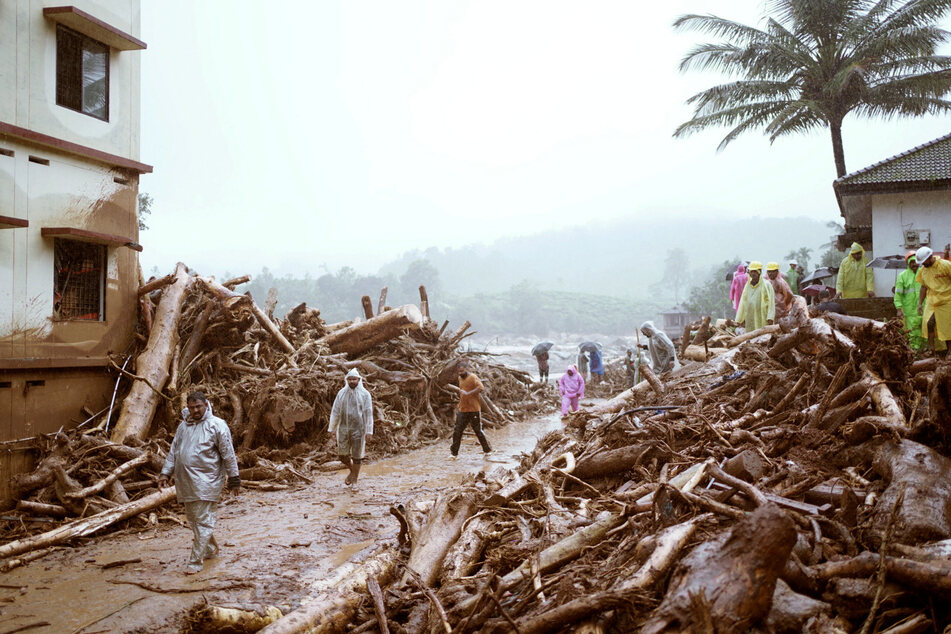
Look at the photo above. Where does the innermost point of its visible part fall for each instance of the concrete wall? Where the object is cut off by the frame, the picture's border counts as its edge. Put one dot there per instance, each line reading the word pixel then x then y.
pixel 51 370
pixel 893 214
pixel 28 76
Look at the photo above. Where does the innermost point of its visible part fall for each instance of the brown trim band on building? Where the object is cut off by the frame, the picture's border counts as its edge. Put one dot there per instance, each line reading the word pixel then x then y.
pixel 53 363
pixel 79 20
pixel 9 222
pixel 90 236
pixel 23 134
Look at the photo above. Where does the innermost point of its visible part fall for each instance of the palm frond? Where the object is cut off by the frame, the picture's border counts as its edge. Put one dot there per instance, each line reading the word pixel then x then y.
pixel 718 27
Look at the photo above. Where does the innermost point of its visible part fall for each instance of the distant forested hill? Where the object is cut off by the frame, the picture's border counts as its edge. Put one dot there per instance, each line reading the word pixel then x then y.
pixel 620 259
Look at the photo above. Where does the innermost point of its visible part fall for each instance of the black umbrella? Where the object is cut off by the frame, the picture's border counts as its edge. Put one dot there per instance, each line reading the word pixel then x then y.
pixel 820 274
pixel 814 290
pixel 541 346
pixel 888 262
pixel 590 346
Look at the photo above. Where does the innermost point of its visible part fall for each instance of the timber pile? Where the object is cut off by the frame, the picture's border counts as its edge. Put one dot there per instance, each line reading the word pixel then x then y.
pixel 272 380
pixel 793 483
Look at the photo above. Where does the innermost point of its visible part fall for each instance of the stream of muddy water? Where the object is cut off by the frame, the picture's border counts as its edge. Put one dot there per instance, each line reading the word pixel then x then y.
pixel 274 544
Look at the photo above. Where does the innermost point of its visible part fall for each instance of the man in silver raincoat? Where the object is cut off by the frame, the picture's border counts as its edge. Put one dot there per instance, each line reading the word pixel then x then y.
pixel 351 418
pixel 661 348
pixel 201 461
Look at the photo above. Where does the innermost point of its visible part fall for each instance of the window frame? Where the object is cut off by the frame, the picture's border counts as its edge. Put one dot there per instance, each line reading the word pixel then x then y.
pixel 60 285
pixel 67 78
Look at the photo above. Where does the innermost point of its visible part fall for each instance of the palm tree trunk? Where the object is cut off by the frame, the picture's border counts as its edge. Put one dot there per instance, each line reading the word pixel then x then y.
pixel 835 127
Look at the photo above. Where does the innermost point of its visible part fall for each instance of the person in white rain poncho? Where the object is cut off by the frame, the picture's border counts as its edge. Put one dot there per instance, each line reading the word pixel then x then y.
pixel 661 348
pixel 351 417
pixel 201 460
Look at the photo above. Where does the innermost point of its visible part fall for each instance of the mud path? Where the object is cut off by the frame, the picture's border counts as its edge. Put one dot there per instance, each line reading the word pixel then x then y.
pixel 273 545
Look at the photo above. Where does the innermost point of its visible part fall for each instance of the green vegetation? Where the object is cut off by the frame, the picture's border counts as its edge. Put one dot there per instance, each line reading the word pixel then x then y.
pixel 817 61
pixel 713 297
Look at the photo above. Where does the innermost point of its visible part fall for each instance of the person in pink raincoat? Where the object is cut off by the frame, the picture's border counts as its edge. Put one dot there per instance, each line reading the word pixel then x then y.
pixel 736 288
pixel 571 387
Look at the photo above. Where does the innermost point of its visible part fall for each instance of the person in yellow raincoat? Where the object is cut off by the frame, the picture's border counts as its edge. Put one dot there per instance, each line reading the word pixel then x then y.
pixel 855 278
pixel 934 302
pixel 758 302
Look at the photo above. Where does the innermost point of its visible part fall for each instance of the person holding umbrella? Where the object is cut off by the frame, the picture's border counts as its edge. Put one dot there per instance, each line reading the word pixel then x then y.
pixel 907 291
pixel 540 352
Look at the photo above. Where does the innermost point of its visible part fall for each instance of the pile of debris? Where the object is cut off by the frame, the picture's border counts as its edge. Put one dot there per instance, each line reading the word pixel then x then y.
pixel 794 482
pixel 272 380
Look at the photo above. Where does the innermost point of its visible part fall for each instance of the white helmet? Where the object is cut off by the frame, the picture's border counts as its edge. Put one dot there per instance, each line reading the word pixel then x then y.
pixel 923 254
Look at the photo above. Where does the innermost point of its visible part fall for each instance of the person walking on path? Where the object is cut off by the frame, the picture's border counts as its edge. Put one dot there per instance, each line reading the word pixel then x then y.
pixel 582 366
pixel 855 279
pixel 351 418
pixel 469 411
pixel 661 348
pixel 792 277
pixel 781 291
pixel 907 292
pixel 757 305
pixel 596 366
pixel 571 388
pixel 934 300
pixel 542 359
pixel 738 284
pixel 200 462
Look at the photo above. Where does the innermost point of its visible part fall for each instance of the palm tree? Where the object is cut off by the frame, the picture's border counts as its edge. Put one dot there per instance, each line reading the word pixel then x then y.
pixel 815 62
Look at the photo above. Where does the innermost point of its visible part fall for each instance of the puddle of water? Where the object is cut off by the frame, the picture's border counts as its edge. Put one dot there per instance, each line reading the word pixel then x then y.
pixel 348 551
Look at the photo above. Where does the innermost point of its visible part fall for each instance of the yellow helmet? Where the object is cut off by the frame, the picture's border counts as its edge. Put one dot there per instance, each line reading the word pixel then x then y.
pixel 772 266
pixel 755 266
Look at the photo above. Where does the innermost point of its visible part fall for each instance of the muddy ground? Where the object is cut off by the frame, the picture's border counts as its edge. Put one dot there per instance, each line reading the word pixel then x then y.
pixel 274 545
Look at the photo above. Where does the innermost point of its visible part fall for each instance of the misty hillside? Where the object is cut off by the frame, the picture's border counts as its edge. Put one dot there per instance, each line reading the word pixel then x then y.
pixel 621 259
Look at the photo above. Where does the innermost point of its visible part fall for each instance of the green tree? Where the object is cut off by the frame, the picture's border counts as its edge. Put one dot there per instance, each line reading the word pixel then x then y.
pixel 145 208
pixel 802 257
pixel 676 274
pixel 713 297
pixel 817 61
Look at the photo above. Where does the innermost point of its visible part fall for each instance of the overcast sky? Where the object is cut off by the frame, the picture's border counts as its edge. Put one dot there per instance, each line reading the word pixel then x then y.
pixel 319 133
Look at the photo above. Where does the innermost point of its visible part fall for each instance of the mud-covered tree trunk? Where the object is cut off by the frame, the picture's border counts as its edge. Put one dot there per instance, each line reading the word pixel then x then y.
pixel 734 575
pixel 139 405
pixel 920 478
pixel 358 338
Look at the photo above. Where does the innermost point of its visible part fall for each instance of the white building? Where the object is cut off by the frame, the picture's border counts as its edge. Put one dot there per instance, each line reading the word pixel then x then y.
pixel 899 204
pixel 69 175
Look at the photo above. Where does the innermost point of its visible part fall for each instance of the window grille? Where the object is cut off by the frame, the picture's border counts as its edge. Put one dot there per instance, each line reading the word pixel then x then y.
pixel 79 278
pixel 82 73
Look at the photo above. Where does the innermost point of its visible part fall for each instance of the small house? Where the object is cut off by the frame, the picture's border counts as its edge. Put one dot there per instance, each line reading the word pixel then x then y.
pixel 898 204
pixel 672 321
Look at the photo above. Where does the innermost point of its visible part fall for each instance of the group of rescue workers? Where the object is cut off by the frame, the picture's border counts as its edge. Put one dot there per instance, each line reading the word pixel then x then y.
pixel 922 294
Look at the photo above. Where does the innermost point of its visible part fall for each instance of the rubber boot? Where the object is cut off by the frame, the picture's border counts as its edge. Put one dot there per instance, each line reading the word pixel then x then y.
pixel 348 464
pixel 355 471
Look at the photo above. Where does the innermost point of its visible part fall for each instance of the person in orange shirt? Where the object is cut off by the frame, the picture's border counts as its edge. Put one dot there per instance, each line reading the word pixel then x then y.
pixel 469 411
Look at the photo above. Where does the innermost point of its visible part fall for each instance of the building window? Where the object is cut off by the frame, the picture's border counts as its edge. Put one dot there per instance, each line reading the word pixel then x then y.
pixel 82 73
pixel 79 280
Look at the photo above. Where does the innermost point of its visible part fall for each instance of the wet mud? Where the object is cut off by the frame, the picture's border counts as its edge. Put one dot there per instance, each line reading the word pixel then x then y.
pixel 274 545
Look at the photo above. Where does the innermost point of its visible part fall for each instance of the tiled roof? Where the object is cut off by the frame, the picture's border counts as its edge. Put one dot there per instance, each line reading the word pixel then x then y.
pixel 926 163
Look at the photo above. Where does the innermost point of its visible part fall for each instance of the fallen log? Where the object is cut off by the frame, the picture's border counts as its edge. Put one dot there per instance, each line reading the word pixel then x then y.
pixel 340 595
pixel 219 618
pixel 360 337
pixel 847 322
pixel 610 462
pixel 920 479
pixel 884 401
pixel 139 405
pixel 114 475
pixel 771 329
pixel 734 575
pixel 930 578
pixel 156 284
pixel 651 378
pixel 39 508
pixel 88 525
pixel 700 353
pixel 442 529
